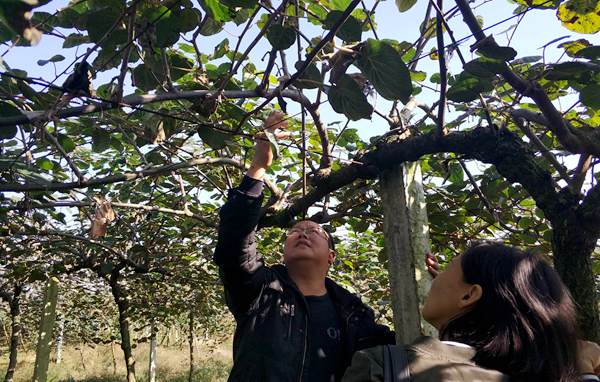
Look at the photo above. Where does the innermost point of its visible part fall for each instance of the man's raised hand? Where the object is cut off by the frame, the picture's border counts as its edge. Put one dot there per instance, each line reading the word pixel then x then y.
pixel 263 155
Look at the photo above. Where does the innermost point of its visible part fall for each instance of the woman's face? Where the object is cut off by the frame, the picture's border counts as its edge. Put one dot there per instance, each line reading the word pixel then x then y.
pixel 449 295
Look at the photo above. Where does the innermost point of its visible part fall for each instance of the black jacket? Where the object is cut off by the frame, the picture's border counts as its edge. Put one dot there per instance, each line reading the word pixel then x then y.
pixel 270 342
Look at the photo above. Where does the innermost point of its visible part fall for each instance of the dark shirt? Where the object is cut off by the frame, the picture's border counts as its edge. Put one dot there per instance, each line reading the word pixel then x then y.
pixel 325 340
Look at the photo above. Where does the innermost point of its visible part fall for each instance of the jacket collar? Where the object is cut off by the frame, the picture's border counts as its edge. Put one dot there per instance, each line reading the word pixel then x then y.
pixel 435 348
pixel 340 296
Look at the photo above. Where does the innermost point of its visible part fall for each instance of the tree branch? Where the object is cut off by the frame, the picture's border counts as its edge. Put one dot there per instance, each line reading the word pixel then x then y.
pixel 133 100
pixel 124 64
pixel 443 69
pixel 309 58
pixel 583 166
pixel 574 140
pixel 149 172
pixel 62 151
pixel 543 149
pixel 144 207
pixel 501 148
pixel 262 32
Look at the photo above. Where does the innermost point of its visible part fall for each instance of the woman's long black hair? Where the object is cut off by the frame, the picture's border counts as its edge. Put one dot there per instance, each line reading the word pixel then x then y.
pixel 524 324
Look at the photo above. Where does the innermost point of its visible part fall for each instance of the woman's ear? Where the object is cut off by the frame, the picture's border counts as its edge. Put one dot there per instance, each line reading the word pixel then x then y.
pixel 471 296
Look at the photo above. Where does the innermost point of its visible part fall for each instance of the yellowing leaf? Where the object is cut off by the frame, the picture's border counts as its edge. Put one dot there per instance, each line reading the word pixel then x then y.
pixel 572 47
pixel 539 3
pixel 103 216
pixel 581 16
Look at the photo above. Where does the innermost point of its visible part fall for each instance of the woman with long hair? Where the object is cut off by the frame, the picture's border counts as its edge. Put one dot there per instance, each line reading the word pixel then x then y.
pixel 502 314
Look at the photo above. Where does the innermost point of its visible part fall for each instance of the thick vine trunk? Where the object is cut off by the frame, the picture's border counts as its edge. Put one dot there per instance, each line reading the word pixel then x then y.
pixel 15 315
pixel 123 308
pixel 114 359
pixel 573 247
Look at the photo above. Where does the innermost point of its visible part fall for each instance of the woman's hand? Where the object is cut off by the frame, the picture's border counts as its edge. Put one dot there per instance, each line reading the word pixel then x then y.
pixel 433 267
pixel 263 155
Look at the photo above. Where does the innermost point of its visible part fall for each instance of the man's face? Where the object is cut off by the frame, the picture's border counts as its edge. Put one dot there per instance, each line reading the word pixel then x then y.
pixel 308 242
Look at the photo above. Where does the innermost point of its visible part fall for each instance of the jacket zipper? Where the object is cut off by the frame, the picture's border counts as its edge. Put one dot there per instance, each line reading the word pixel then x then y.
pixel 292 309
pixel 305 346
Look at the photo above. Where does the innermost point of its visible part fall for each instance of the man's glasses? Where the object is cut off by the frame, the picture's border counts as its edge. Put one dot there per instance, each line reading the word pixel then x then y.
pixel 311 231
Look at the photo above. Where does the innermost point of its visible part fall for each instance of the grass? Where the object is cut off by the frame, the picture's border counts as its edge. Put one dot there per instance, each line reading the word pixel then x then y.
pixel 88 364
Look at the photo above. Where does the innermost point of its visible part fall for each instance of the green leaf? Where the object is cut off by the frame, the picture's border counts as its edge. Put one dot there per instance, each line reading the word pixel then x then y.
pixel 405 5
pixel 100 141
pixel 180 65
pixel 526 60
pixel 347 98
pixel 214 138
pixel 311 78
pixel 281 37
pixel 485 67
pixel 456 173
pixel 75 39
pixel 187 19
pixel 582 16
pixel 590 96
pixel 167 27
pixel 467 88
pixel 240 3
pixel 55 58
pixel 384 68
pixel 143 78
pixel 591 52
pixel 273 142
pixel 566 70
pixel 504 53
pixel 216 10
pixel 99 22
pixel 8 110
pixel 67 143
pixel 317 13
pixel 210 27
pixel 339 5
pixel 350 31
pixel 45 164
pixel 221 49
pixel 418 76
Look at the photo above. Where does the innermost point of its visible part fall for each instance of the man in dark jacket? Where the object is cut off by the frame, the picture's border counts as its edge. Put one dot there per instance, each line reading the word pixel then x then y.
pixel 293 323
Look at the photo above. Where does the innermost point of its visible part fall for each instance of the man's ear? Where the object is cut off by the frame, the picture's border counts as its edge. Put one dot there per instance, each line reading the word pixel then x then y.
pixel 471 296
pixel 331 257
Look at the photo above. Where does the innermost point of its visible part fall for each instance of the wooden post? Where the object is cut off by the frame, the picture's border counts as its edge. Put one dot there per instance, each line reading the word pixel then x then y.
pixel 406 237
pixel 152 356
pixel 59 338
pixel 191 344
pixel 42 357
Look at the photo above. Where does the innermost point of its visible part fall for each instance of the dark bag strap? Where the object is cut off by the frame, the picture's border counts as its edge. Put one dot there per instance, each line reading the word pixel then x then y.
pixel 395 364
